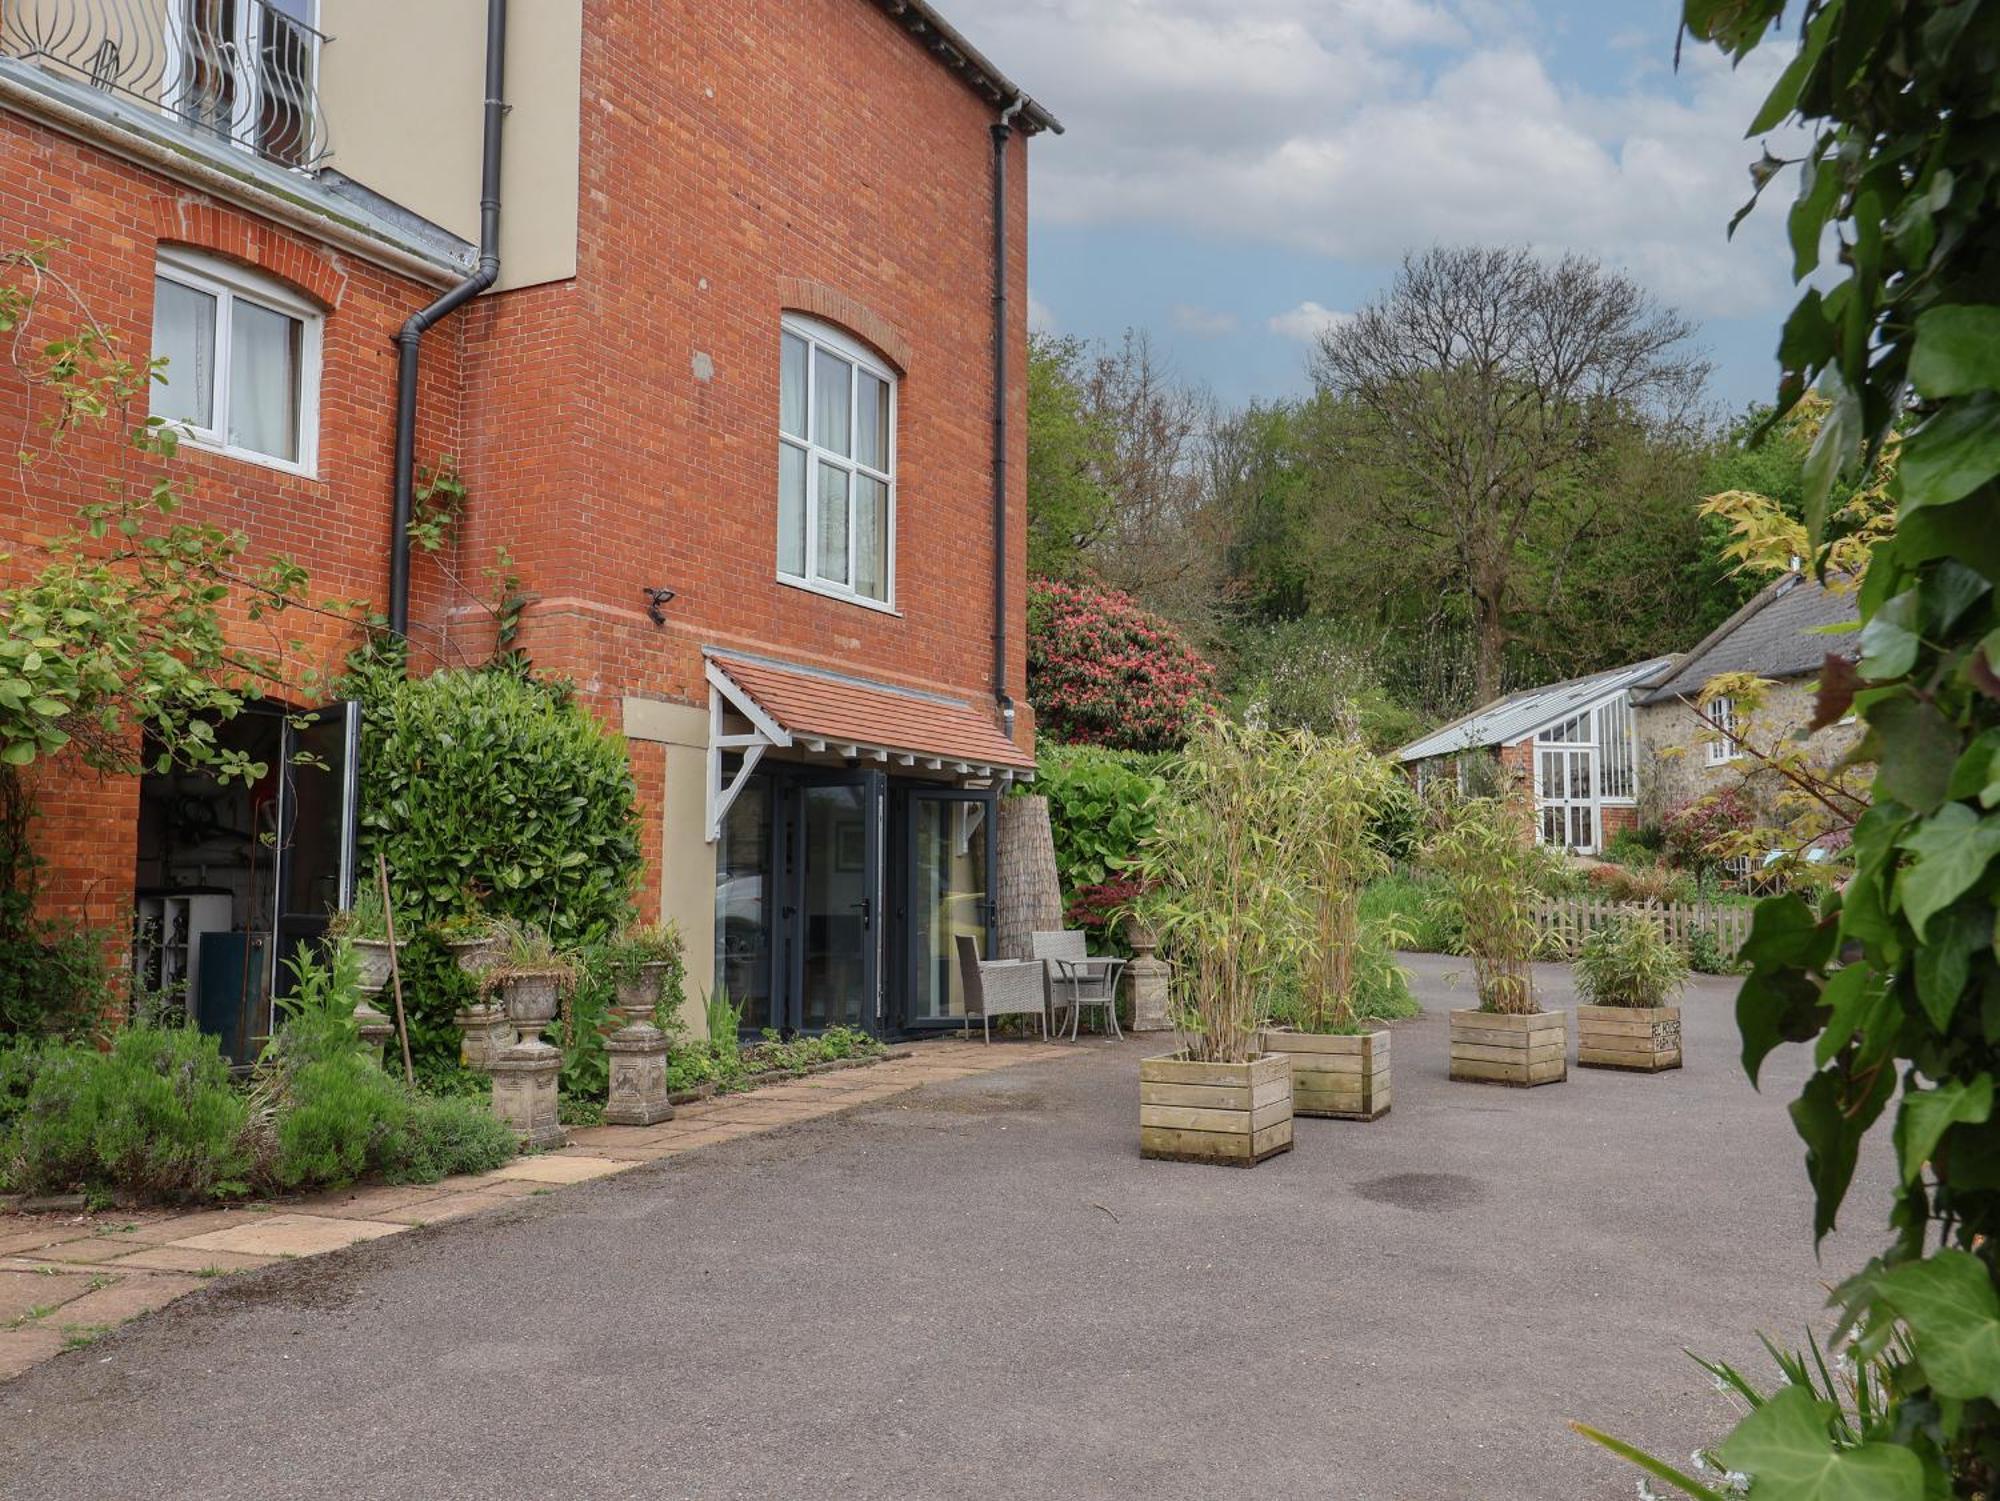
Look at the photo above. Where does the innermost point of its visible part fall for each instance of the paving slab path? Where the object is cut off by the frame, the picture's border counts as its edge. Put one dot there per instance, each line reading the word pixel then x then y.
pixel 978 1289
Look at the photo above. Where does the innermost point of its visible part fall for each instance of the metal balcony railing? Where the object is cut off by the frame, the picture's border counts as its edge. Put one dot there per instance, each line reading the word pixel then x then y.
pixel 243 71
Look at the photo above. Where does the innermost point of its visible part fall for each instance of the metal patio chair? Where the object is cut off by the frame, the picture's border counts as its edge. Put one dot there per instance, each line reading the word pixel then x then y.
pixel 1077 979
pixel 999 987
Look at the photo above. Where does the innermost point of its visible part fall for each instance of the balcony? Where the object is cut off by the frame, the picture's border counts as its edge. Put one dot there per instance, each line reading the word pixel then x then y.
pixel 244 73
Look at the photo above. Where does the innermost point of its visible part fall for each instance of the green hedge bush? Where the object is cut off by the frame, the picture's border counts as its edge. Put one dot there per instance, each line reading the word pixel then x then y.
pixel 490 790
pixel 1101 808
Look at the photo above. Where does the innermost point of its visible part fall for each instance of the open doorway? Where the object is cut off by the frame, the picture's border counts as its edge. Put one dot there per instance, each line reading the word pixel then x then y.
pixel 232 877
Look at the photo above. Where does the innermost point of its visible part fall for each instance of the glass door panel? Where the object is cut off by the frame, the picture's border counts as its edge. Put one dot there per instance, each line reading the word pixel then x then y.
pixel 951 866
pixel 314 868
pixel 839 902
pixel 743 909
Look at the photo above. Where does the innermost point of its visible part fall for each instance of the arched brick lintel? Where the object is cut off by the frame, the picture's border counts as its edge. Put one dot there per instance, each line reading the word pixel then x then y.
pixel 798 295
pixel 207 225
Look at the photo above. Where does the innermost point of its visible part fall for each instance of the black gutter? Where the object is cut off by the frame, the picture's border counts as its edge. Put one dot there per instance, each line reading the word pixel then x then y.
pixel 409 341
pixel 1003 130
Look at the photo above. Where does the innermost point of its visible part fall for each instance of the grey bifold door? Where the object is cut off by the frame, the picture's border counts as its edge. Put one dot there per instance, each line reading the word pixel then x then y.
pixel 318 808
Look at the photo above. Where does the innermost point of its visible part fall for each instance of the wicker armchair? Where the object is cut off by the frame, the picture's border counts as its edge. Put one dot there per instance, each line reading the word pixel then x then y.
pixel 999 987
pixel 1077 980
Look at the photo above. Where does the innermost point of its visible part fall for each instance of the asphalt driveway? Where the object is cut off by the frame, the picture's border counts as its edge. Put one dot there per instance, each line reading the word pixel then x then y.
pixel 980 1290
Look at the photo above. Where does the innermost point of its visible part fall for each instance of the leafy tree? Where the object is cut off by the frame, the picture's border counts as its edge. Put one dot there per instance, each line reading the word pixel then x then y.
pixel 1069 506
pixel 1490 396
pixel 1892 975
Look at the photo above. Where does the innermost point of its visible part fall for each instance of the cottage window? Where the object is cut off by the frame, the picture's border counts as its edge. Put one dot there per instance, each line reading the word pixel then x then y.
pixel 1721 716
pixel 1617 761
pixel 242 353
pixel 836 465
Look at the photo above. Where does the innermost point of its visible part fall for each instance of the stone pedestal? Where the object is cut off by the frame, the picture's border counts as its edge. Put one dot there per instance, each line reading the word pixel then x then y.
pixel 524 1092
pixel 638 1094
pixel 374 1026
pixel 484 1034
pixel 1146 989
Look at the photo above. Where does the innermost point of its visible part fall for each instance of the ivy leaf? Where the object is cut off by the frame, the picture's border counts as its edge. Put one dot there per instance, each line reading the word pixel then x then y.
pixel 1831 1118
pixel 1786 1448
pixel 1948 1302
pixel 1957 352
pixel 1928 1113
pixel 1857 999
pixel 1889 641
pixel 1918 748
pixel 1944 963
pixel 1953 849
pixel 1952 454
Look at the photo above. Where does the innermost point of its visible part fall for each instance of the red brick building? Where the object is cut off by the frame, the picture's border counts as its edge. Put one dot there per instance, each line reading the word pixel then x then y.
pixel 728 404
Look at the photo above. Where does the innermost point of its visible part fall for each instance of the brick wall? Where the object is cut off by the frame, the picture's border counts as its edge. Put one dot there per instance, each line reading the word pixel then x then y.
pixel 113 217
pixel 619 430
pixel 736 161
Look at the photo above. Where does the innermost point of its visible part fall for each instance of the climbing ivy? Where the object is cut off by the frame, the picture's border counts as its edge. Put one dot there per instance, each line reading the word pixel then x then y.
pixel 1894 978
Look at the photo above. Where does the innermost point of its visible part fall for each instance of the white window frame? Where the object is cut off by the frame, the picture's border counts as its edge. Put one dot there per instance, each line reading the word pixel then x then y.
pixel 1720 713
pixel 228 284
pixel 834 341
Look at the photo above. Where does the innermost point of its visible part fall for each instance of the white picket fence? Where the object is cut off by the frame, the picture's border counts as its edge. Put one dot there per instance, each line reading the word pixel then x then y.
pixel 1566 922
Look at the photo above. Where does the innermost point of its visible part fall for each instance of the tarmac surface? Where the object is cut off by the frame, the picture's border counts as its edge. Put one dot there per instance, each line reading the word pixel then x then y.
pixel 979 1290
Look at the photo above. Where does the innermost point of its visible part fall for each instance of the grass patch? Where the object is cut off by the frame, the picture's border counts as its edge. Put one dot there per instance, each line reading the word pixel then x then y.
pixel 1421 907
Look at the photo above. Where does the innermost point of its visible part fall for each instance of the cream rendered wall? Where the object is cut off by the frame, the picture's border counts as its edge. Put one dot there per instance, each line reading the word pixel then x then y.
pixel 403 85
pixel 687 860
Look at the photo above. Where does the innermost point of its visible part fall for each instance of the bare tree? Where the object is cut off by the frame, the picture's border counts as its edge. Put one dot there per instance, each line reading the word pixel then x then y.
pixel 1492 386
pixel 1159 539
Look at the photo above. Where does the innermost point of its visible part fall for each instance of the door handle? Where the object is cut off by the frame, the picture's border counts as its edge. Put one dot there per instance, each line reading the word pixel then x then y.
pixel 866 906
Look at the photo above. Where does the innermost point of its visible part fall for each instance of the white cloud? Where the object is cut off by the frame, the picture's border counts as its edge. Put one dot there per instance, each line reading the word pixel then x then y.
pixel 1203 322
pixel 1306 322
pixel 1041 317
pixel 1358 129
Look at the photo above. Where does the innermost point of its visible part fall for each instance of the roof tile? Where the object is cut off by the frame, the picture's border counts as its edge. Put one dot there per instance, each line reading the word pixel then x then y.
pixel 874 714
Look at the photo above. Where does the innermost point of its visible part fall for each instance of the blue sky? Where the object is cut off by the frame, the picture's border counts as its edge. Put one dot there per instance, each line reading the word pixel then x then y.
pixel 1237 172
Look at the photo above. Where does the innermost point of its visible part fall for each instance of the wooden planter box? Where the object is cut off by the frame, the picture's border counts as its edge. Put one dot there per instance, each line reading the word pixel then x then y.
pixel 1641 1039
pixel 1493 1048
pixel 1235 1113
pixel 1341 1077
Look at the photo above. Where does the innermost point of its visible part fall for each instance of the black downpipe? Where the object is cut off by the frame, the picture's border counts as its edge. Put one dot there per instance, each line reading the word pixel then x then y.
pixel 410 340
pixel 1003 129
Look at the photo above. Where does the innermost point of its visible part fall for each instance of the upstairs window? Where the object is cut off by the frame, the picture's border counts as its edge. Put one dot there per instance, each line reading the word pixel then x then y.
pixel 242 357
pixel 1721 715
pixel 836 465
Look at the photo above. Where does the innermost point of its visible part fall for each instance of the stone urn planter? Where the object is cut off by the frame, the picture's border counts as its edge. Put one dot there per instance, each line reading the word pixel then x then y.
pixel 1499 1047
pixel 475 956
pixel 637 1091
pixel 525 1075
pixel 530 999
pixel 372 954
pixel 1238 1114
pixel 1338 1076
pixel 1638 1039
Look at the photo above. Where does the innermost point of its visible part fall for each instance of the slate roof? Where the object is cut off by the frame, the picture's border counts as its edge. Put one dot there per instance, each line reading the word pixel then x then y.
pixel 1515 717
pixel 813 703
pixel 1774 636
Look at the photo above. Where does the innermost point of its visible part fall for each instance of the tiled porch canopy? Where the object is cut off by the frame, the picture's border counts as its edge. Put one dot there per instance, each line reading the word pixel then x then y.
pixel 849 717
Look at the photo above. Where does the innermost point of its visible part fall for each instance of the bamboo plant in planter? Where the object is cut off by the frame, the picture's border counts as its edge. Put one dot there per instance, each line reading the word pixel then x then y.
pixel 1628 968
pixel 1485 849
pixel 1336 787
pixel 1216 895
